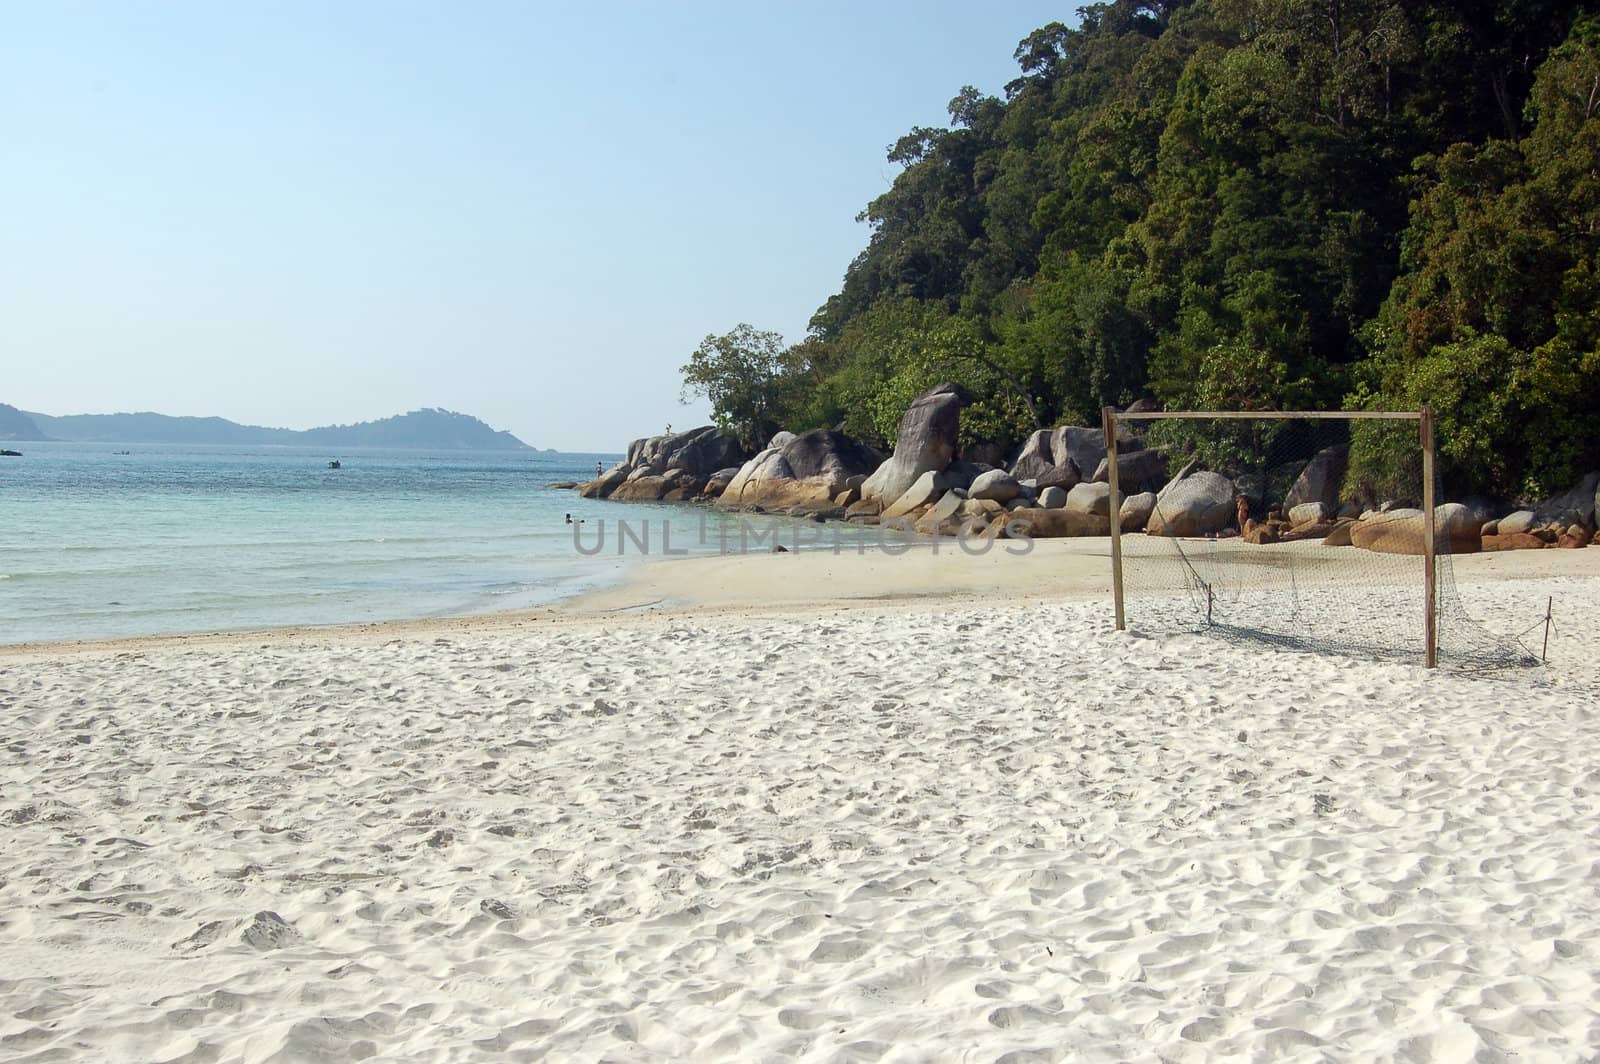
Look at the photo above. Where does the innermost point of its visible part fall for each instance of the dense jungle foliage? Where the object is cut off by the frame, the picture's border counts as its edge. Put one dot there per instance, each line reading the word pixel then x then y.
pixel 1235 204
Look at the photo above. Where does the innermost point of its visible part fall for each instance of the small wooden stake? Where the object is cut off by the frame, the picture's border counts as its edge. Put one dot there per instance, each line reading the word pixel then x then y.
pixel 1544 655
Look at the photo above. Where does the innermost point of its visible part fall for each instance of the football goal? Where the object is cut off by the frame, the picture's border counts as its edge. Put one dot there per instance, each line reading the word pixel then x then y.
pixel 1307 529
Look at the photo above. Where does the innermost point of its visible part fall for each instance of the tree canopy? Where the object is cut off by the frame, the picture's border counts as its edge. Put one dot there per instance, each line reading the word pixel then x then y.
pixel 1245 204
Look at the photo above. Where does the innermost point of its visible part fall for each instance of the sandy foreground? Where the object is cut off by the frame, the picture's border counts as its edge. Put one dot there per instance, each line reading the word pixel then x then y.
pixel 716 813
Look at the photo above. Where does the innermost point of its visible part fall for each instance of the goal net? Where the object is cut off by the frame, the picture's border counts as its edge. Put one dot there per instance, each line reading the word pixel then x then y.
pixel 1305 530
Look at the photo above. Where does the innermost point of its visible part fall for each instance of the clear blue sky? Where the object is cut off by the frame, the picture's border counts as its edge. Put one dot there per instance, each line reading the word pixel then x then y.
pixel 302 213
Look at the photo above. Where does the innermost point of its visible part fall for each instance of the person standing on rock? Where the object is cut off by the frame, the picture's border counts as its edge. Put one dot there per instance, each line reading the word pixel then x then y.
pixel 599 469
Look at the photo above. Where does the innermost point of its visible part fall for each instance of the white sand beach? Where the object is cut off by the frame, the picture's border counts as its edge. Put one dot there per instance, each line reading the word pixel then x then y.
pixel 805 807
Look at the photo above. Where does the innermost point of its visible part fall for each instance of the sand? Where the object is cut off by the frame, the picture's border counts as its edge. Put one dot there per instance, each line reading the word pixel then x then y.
pixel 976 826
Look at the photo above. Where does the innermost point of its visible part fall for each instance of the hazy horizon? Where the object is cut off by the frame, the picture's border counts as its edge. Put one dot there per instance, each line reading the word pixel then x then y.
pixel 307 216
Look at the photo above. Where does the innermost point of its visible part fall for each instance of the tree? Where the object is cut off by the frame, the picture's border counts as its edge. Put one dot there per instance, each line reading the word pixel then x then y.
pixel 1496 319
pixel 740 373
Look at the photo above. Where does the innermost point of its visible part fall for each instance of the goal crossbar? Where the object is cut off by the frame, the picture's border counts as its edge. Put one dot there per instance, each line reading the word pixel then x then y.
pixel 1111 418
pixel 1272 415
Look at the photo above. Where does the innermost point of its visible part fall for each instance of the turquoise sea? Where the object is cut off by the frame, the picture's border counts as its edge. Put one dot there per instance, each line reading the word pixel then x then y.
pixel 170 539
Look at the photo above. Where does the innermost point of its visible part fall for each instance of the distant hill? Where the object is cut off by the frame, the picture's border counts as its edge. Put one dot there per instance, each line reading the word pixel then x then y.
pixel 15 425
pixel 427 429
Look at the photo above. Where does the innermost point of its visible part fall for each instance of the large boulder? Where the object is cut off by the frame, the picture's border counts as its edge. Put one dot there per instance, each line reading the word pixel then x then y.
pixel 804 473
pixel 943 517
pixel 1320 480
pixel 1037 455
pixel 646 487
pixel 1340 535
pixel 1512 541
pixel 1316 530
pixel 962 474
pixel 924 442
pixel 1136 510
pixel 1516 523
pixel 1048 449
pixel 996 484
pixel 1201 502
pixel 1575 536
pixel 1052 498
pixel 1064 476
pixel 986 452
pixel 699 452
pixel 985 510
pixel 926 490
pixel 602 486
pixel 1094 499
pixel 1054 524
pixel 718 482
pixel 1309 513
pixel 1135 471
pixel 1401 531
pixel 1576 506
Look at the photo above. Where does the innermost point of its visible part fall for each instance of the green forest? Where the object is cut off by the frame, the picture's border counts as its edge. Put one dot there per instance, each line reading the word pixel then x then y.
pixel 1234 204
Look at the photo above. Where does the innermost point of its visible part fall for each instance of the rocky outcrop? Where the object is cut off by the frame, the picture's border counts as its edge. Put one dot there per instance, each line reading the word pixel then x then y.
pixel 924 442
pixel 679 465
pixel 1401 531
pixel 1197 504
pixel 799 474
pixel 1320 480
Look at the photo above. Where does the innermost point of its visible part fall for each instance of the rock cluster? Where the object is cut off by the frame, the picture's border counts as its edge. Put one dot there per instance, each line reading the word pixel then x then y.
pixel 1057 485
pixel 680 465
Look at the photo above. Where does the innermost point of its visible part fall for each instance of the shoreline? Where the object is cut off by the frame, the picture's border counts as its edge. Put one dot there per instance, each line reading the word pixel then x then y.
pixel 928 575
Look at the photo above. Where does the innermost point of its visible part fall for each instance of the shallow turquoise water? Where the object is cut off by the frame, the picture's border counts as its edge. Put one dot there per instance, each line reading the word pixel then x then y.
pixel 180 539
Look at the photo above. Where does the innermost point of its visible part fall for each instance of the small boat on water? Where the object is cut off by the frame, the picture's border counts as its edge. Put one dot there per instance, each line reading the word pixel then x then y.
pixel 10 454
pixel 335 464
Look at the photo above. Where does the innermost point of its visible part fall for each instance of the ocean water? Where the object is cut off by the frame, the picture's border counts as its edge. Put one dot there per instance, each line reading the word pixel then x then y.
pixel 170 539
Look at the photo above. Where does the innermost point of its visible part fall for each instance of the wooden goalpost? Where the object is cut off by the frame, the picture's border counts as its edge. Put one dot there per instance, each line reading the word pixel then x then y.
pixel 1111 418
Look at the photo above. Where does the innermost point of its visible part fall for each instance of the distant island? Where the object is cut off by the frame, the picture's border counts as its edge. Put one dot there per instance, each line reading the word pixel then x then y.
pixel 426 429
pixel 15 425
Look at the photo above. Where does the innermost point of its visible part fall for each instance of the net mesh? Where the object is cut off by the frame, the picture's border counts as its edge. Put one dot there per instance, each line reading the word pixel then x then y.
pixel 1298 532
